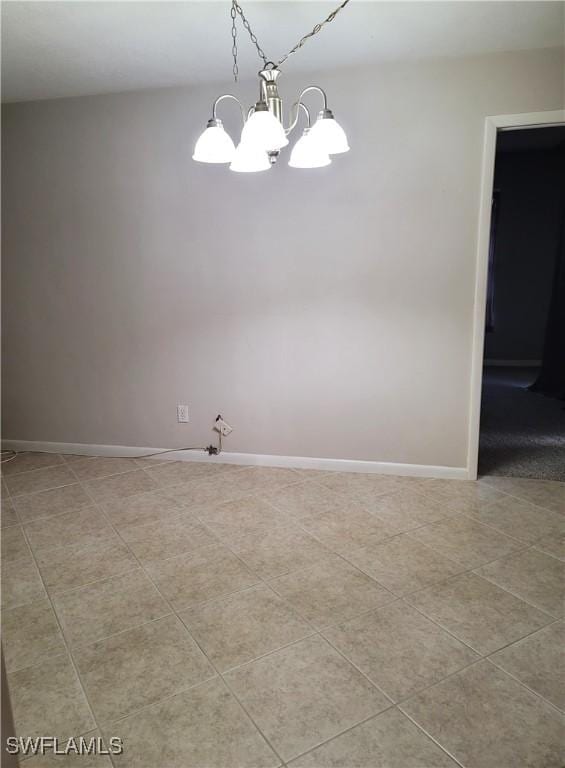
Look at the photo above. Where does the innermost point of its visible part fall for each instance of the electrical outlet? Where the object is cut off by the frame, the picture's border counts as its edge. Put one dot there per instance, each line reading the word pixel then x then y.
pixel 182 414
pixel 222 426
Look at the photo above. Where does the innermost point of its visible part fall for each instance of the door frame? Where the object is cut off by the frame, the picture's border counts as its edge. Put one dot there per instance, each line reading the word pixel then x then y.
pixel 492 125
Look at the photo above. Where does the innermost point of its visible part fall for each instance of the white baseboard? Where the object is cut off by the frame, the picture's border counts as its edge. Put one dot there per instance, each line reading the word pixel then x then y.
pixel 251 459
pixel 514 363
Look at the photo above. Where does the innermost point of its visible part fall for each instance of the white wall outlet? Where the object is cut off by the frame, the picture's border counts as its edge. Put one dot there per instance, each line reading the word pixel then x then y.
pixel 182 414
pixel 222 427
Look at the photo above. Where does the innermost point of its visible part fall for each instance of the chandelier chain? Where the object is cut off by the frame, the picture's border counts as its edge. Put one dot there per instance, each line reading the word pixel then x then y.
pixel 314 31
pixel 237 9
pixel 235 68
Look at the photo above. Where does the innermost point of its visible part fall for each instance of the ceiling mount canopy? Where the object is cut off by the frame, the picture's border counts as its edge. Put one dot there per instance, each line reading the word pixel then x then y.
pixel 263 132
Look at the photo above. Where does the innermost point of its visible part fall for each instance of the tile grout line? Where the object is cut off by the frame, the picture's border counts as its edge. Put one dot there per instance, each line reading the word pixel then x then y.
pixel 553 619
pixel 43 490
pixel 480 657
pixel 316 631
pixel 429 735
pixel 136 566
pixel 229 595
pixel 359 502
pixel 497 530
pixel 303 478
pixel 69 467
pixel 264 655
pixel 448 631
pixel 359 670
pixel 163 490
pixel 133 567
pixel 394 597
pixel 70 464
pixel 44 518
pixel 265 581
pixel 69 653
pixel 87 644
pixel 521 682
pixel 348 660
pixel 443 579
pixel 345 557
pixel 483 657
pixel 63 636
pixel 167 697
pixel 62 463
pixel 471 571
pixel 524 498
pixel 72 509
pixel 195 641
pixel 545 552
pixel 35 599
pixel 186 510
pixel 510 592
pixel 435 547
pixel 445 504
pixel 402 597
pixel 199 604
pixel 183 510
pixel 374 717
pixel 400 704
pixel 394 704
pixel 337 736
pixel 340 622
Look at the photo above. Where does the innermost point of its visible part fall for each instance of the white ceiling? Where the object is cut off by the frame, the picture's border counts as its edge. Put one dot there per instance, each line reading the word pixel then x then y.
pixel 54 49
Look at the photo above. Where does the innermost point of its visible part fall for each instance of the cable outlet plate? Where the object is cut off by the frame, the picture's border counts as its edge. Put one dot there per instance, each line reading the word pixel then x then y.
pixel 182 414
pixel 222 427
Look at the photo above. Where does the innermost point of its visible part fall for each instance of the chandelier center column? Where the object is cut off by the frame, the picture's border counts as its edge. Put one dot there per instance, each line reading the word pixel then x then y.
pixel 270 92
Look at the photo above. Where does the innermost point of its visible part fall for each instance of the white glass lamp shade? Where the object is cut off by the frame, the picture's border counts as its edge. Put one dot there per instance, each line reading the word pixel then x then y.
pixel 264 130
pixel 329 134
pixel 249 158
pixel 214 145
pixel 307 153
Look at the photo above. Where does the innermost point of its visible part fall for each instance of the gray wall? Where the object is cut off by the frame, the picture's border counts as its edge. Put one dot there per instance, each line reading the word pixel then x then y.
pixel 325 313
pixel 530 186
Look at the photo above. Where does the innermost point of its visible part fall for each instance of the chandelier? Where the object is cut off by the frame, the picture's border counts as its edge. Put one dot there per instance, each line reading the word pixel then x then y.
pixel 263 132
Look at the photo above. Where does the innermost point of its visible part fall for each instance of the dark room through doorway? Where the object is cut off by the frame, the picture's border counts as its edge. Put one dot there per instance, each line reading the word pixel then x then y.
pixel 522 432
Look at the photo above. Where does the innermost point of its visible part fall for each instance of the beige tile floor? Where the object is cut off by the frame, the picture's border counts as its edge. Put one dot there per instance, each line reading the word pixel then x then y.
pixel 215 616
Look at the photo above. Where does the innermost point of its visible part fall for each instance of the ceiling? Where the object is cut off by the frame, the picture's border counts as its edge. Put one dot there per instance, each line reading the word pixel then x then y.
pixel 55 49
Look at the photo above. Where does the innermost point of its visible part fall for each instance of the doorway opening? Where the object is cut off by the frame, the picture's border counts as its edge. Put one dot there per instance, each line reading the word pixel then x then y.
pixel 522 414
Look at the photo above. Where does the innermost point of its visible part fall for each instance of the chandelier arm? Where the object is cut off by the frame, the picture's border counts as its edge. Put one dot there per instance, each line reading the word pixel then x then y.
pixel 298 103
pixel 307 113
pixel 228 96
